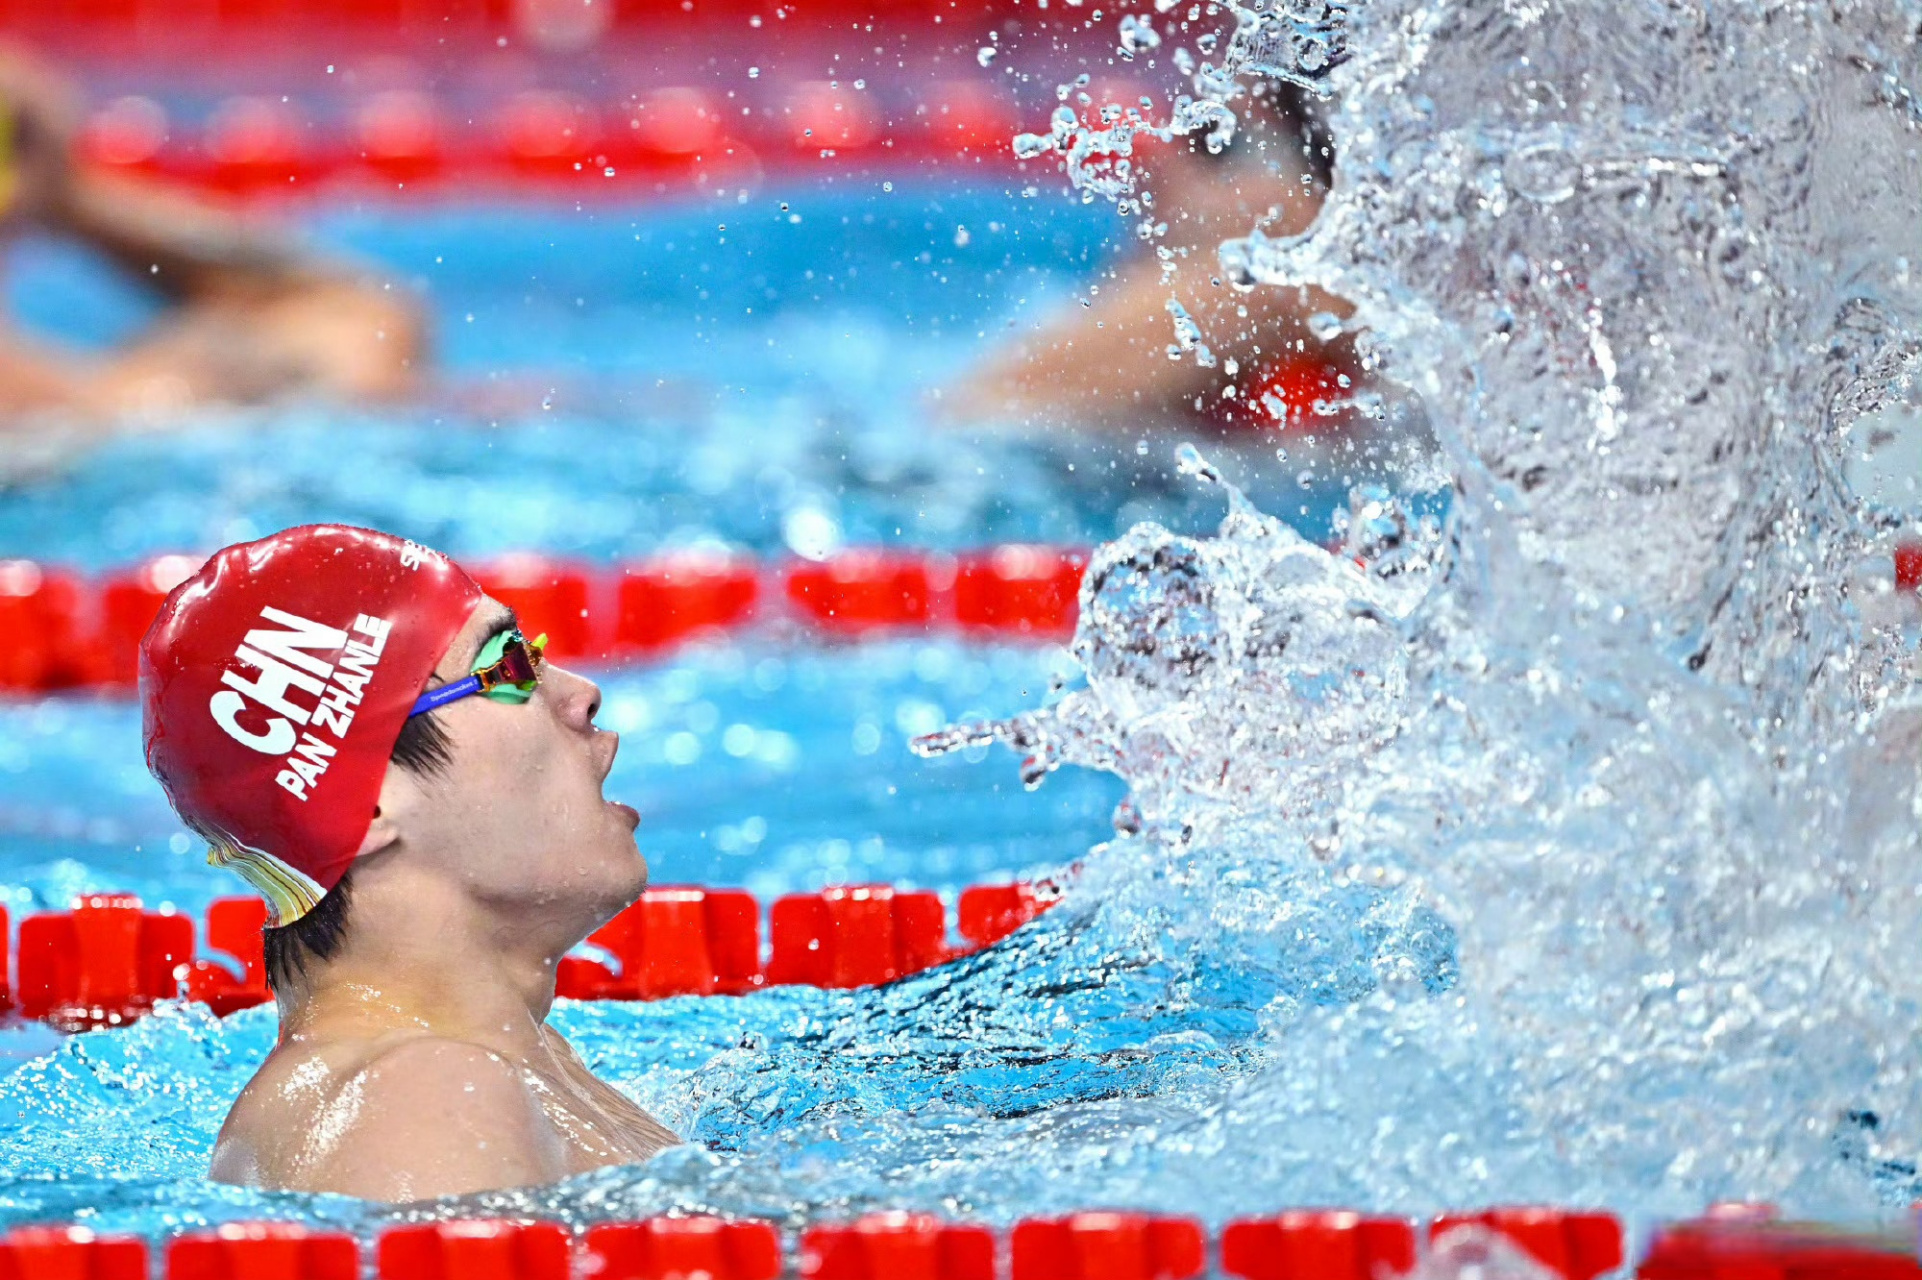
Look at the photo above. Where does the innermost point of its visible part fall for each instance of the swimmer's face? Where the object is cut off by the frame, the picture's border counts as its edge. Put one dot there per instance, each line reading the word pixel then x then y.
pixel 518 817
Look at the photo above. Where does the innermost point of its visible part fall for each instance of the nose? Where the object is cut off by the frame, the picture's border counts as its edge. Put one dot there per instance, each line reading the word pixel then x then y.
pixel 576 698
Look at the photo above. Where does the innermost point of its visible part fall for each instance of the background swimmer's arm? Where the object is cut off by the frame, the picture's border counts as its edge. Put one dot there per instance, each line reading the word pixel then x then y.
pixel 36 377
pixel 1108 363
pixel 179 244
pixel 425 1119
pixel 258 315
pixel 1102 364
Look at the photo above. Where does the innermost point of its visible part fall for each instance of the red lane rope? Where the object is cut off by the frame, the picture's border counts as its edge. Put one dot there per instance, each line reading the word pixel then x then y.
pixel 1908 565
pixel 109 960
pixel 410 143
pixel 1312 1244
pixel 265 28
pixel 73 631
pixel 70 630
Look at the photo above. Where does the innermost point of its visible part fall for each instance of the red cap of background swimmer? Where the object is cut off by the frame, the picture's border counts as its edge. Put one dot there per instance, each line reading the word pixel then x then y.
pixel 273 685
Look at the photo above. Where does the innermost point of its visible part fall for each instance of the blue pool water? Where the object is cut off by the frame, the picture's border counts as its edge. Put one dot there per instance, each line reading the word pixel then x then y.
pixel 1563 851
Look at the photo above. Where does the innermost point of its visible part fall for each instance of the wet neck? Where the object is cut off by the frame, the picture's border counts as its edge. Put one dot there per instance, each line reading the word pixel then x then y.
pixel 446 968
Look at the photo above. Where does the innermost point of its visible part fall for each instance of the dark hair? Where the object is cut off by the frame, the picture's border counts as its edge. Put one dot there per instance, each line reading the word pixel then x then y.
pixel 422 748
pixel 1281 120
pixel 1300 115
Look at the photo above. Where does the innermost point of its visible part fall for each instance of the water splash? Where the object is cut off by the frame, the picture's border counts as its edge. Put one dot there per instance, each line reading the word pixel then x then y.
pixel 1625 723
pixel 1251 671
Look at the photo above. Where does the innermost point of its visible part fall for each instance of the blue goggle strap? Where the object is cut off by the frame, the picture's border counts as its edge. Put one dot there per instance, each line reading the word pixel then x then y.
pixel 447 693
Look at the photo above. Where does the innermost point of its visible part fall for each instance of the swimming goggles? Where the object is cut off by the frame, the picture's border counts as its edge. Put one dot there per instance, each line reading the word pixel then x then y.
pixel 508 668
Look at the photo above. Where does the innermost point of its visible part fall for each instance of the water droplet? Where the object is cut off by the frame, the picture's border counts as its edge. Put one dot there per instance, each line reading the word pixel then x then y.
pixel 1544 173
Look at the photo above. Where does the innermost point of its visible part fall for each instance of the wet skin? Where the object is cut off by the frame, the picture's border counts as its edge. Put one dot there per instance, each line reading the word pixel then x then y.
pixel 417 1062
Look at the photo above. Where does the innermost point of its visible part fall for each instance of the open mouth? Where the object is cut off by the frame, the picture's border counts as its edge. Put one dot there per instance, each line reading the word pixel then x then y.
pixel 627 811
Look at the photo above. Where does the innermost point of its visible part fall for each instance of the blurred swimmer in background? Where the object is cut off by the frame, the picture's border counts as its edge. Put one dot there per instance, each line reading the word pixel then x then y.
pixel 249 315
pixel 1108 363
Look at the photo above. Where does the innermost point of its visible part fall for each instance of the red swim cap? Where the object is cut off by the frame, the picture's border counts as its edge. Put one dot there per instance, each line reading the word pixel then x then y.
pixel 273 685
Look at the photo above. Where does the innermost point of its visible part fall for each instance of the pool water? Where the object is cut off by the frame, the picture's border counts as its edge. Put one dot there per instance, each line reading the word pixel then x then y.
pixel 1561 850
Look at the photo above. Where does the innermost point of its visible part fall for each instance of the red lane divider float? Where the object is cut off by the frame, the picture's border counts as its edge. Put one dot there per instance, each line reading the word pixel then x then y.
pixel 868 589
pixel 1908 565
pixel 43 1253
pixel 129 600
pixel 1299 1245
pixel 109 960
pixel 103 963
pixel 475 1251
pixel 1729 1243
pixel 1019 589
pixel 1317 1244
pixel 243 1251
pixel 407 142
pixel 71 631
pixel 671 599
pixel 1107 1246
pixel 665 1248
pixel 1723 1249
pixel 899 1246
pixel 1576 1246
pixel 856 937
pixel 673 942
pixel 989 912
pixel 41 613
pixel 550 595
pixel 233 927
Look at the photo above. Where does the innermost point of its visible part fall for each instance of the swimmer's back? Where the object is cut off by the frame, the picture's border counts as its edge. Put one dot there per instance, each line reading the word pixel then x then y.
pixel 405 1115
pixel 401 1116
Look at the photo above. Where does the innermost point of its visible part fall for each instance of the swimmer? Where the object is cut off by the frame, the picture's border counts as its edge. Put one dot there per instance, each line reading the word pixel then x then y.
pixel 368 739
pixel 249 315
pixel 1107 364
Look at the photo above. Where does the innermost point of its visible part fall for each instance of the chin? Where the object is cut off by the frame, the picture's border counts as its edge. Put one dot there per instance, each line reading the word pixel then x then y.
pixel 627 878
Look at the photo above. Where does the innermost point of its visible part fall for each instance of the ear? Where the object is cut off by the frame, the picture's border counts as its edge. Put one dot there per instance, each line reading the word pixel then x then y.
pixel 389 813
pixel 382 833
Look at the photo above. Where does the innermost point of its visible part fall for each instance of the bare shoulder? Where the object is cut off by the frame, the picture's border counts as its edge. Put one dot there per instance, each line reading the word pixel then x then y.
pixel 411 1119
